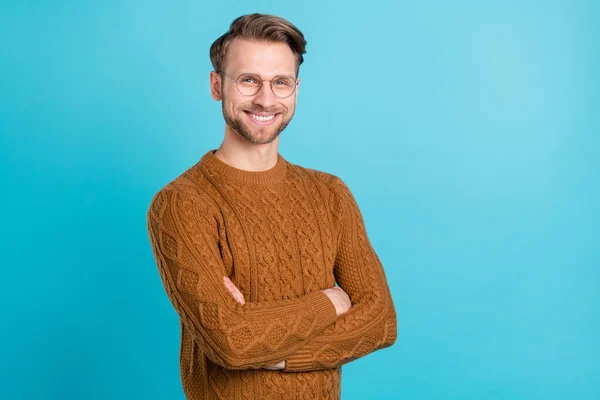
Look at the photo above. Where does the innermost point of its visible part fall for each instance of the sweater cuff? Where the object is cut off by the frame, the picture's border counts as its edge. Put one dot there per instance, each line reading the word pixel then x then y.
pixel 324 311
pixel 301 360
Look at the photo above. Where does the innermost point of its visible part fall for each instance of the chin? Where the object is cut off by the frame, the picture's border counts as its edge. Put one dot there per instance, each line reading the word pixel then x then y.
pixel 259 136
pixel 262 139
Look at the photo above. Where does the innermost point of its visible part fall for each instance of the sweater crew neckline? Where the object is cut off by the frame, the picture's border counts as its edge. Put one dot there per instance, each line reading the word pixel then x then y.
pixel 217 167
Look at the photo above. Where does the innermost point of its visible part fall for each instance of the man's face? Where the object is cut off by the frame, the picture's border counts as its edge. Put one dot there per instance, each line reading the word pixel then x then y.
pixel 262 117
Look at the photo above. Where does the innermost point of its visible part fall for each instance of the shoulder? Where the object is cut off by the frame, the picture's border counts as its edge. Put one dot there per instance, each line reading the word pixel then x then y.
pixel 331 181
pixel 333 184
pixel 183 192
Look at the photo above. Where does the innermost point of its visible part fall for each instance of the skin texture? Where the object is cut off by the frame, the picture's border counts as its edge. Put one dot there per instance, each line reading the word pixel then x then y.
pixel 247 144
pixel 250 145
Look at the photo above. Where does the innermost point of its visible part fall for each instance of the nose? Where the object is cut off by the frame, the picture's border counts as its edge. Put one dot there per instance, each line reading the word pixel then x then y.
pixel 265 97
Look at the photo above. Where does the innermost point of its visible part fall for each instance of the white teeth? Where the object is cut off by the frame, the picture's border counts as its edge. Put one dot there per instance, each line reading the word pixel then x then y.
pixel 262 119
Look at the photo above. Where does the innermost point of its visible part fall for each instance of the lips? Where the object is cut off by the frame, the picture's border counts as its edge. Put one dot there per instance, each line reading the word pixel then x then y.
pixel 262 119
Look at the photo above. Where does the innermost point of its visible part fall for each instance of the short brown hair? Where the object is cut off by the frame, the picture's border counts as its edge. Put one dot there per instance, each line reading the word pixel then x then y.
pixel 259 27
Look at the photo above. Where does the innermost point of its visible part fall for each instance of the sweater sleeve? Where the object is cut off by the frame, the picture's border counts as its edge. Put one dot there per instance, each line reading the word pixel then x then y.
pixel 182 233
pixel 370 324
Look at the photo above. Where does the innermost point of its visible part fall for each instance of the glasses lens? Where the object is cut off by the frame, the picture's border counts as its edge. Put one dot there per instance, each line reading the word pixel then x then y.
pixel 249 84
pixel 283 86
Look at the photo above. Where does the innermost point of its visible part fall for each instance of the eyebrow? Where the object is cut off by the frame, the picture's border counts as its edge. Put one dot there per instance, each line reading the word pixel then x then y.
pixel 254 73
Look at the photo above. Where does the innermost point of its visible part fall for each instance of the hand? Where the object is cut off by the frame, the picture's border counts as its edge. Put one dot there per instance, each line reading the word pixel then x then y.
pixel 276 367
pixel 339 298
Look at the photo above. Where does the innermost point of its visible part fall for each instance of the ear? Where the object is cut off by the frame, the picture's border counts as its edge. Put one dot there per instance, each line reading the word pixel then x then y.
pixel 297 86
pixel 215 86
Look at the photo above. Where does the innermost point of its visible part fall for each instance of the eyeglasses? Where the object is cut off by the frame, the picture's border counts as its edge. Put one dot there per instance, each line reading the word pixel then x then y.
pixel 250 84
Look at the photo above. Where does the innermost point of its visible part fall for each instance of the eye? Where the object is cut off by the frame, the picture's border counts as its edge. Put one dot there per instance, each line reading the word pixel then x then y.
pixel 249 80
pixel 282 81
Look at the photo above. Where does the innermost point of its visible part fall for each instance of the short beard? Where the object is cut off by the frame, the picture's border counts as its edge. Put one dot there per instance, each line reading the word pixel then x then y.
pixel 238 126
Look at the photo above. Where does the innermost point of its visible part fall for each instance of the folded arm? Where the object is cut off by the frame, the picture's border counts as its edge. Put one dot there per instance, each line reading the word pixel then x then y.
pixel 182 230
pixel 338 297
pixel 370 324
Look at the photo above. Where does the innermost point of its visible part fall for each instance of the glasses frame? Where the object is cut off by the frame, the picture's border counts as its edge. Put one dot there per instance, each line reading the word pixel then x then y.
pixel 261 84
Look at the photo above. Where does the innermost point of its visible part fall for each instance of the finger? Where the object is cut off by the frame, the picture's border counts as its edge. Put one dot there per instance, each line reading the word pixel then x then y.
pixel 234 291
pixel 229 287
pixel 240 295
pixel 275 367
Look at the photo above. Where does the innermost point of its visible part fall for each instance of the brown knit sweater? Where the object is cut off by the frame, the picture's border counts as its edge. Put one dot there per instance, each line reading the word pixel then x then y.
pixel 281 235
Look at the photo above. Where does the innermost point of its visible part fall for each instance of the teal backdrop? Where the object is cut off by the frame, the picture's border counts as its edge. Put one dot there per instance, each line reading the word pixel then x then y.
pixel 468 131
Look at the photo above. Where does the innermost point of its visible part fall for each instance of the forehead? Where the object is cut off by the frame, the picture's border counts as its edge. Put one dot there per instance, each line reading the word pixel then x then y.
pixel 260 57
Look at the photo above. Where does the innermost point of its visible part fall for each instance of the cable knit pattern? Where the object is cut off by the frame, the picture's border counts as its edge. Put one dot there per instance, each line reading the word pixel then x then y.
pixel 281 236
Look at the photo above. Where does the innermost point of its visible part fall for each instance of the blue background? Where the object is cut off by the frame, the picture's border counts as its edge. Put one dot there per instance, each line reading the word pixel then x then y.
pixel 468 131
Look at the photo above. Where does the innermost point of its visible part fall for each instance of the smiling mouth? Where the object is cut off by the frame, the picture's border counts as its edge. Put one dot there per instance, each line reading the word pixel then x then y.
pixel 261 119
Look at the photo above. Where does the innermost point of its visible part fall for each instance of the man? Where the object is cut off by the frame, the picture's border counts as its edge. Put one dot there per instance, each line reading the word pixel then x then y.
pixel 250 246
